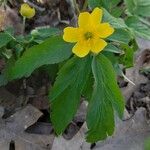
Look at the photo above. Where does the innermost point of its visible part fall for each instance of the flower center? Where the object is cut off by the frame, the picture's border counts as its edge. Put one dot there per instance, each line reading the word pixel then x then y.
pixel 88 35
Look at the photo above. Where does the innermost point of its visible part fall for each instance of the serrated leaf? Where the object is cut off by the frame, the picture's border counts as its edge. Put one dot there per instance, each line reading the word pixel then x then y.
pixel 113 49
pixel 106 97
pixel 140 29
pixel 66 92
pixel 51 51
pixel 128 58
pixel 121 36
pixel 64 78
pixel 117 11
pixel 138 7
pixel 115 22
pixel 131 5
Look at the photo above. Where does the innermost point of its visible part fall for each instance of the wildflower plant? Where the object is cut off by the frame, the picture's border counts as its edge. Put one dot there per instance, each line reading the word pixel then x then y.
pixel 88 57
pixel 89 34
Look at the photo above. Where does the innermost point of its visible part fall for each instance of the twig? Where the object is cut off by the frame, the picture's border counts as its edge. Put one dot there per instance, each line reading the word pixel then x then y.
pixel 76 6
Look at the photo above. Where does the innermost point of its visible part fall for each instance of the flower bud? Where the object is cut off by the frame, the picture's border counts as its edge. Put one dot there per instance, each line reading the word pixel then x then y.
pixel 27 11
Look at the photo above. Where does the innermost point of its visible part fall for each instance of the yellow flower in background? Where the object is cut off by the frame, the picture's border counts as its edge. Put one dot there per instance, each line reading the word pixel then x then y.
pixel 90 33
pixel 27 11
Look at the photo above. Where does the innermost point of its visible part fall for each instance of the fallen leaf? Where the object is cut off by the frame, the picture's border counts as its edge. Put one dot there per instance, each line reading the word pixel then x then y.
pixel 143 44
pixel 134 75
pixel 7 100
pixel 40 102
pixel 13 129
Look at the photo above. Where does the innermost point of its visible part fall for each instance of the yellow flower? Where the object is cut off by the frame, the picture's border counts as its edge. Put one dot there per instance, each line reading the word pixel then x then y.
pixel 27 11
pixel 90 33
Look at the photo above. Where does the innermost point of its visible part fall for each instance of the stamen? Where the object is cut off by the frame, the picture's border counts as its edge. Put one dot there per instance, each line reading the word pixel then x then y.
pixel 88 35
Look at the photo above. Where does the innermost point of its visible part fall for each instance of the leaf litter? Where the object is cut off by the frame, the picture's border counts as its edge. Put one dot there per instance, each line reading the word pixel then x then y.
pixel 12 129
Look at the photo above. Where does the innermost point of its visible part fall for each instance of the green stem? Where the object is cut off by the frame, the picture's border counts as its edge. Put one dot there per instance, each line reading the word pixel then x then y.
pixel 24 25
pixel 76 6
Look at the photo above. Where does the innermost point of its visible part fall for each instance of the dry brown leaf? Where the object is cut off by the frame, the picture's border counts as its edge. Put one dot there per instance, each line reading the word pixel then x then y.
pixel 13 129
pixel 7 100
pixel 40 102
pixel 143 44
pixel 134 75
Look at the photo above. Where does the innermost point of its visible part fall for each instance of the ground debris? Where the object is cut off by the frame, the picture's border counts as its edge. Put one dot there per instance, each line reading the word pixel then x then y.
pixel 12 130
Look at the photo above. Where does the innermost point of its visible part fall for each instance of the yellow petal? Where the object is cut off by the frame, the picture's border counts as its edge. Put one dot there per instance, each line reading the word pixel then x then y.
pixel 96 15
pixel 81 49
pixel 98 45
pixel 83 19
pixel 104 30
pixel 27 11
pixel 71 34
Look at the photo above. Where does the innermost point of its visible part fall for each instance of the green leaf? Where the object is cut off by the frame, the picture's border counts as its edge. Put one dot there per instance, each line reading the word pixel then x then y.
pixel 117 12
pixel 121 36
pixel 103 3
pixel 147 144
pixel 128 58
pixel 113 49
pixel 53 50
pixel 131 5
pixel 3 78
pixel 51 70
pixel 138 7
pixel 64 78
pixel 88 89
pixel 66 92
pixel 115 22
pixel 5 38
pixel 41 33
pixel 140 29
pixel 106 97
pixel 95 3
